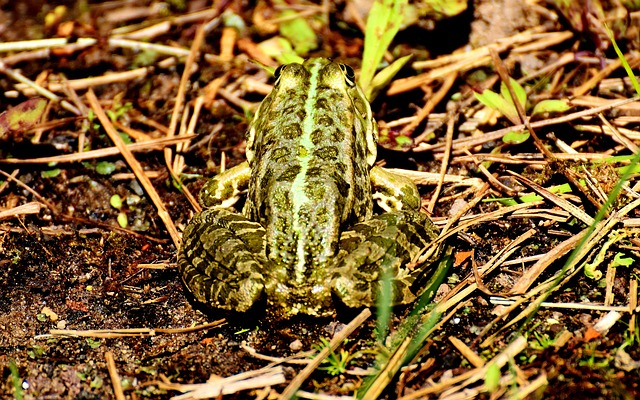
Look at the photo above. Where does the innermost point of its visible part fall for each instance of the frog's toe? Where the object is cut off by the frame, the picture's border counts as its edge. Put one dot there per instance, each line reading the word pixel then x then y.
pixel 353 294
pixel 247 294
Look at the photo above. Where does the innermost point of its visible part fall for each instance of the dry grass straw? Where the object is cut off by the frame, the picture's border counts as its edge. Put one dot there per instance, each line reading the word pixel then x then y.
pixel 135 167
pixel 32 207
pixel 467 142
pixel 533 298
pixel 153 144
pixel 217 386
pixel 115 378
pixel 463 61
pixel 291 389
pixel 132 332
pixel 470 377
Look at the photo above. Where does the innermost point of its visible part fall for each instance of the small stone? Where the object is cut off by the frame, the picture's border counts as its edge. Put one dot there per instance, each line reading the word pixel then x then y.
pixel 296 345
pixel 50 313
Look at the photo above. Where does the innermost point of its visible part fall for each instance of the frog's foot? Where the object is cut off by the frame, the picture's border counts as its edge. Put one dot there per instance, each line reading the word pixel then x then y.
pixel 221 260
pixel 384 247
pixel 394 192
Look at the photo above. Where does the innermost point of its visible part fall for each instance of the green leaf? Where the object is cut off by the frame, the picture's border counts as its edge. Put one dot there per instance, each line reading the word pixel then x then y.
pixel 96 382
pixel 629 169
pixel 280 49
pixel 52 173
pixel 298 31
pixel 528 198
pixel 391 140
pixel 116 201
pixel 122 219
pixel 619 260
pixel 383 23
pixel 518 90
pixel 15 379
pixel 23 116
pixel 550 106
pixel 385 76
pixel 36 352
pixel 515 137
pixel 125 138
pixel 624 61
pixel 496 102
pixel 105 167
pixel 93 343
pixel 492 377
pixel 149 370
pixel 448 7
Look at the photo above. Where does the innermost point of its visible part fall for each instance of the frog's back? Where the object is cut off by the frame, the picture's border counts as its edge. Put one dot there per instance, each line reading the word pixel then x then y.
pixel 310 176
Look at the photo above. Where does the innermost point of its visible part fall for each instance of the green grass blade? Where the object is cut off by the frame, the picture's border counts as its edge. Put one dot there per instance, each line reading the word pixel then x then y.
pixel 624 61
pixel 15 378
pixel 384 303
pixel 385 19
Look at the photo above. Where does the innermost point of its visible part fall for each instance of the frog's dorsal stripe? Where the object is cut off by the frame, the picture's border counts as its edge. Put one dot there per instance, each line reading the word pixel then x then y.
pixel 300 198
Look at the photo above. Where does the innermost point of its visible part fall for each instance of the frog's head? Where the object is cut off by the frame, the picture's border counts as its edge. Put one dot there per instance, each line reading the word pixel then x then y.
pixel 302 81
pixel 342 77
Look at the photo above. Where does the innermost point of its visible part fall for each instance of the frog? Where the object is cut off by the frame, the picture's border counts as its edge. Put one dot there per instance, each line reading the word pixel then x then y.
pixel 307 237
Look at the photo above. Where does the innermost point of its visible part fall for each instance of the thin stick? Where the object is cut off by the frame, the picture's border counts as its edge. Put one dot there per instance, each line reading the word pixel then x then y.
pixel 182 89
pixel 135 166
pixel 495 135
pixel 431 103
pixel 444 164
pixel 154 144
pixel 115 378
pixel 44 92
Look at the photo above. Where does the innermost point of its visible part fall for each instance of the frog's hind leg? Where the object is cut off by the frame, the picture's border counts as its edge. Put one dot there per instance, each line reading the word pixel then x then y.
pixel 384 247
pixel 221 259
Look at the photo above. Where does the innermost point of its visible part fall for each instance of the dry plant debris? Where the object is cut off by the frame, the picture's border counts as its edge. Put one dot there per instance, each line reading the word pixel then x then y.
pixel 116 112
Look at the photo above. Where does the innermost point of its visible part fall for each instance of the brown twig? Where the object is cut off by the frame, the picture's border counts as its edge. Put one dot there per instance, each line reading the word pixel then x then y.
pixel 135 166
pixel 153 144
pixel 498 134
pixel 178 107
pixel 296 382
pixel 115 378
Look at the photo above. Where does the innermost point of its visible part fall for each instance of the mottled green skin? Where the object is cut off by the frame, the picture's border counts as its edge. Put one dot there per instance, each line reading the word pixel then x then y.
pixel 306 231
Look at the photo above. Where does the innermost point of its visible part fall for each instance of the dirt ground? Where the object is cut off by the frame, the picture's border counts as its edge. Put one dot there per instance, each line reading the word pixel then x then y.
pixel 91 304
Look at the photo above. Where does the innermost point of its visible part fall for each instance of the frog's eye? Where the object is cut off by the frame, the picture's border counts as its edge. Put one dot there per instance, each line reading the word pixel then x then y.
pixel 277 72
pixel 348 73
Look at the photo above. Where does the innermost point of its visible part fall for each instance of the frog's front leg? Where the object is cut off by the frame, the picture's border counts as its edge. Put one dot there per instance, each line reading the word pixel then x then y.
pixel 221 258
pixel 387 245
pixel 394 192
pixel 224 190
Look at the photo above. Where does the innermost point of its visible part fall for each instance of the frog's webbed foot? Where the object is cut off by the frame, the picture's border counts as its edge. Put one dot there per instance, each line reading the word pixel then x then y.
pixel 383 247
pixel 221 260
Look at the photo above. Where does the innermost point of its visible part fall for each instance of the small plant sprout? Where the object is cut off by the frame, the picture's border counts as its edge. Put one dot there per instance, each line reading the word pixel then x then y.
pixel 542 341
pixel 335 364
